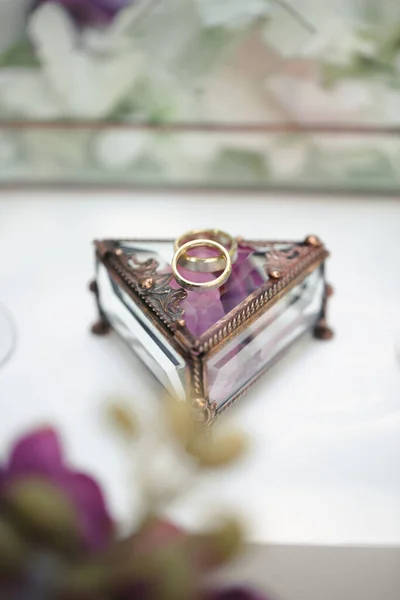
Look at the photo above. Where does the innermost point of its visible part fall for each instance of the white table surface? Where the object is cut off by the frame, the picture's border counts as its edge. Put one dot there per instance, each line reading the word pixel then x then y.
pixel 325 423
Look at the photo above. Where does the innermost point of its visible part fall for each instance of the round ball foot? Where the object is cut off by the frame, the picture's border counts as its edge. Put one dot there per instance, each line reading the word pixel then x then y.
pixel 101 328
pixel 329 290
pixel 93 286
pixel 323 332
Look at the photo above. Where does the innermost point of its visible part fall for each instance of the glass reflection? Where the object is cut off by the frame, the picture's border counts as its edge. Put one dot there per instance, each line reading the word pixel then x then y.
pixel 141 335
pixel 240 360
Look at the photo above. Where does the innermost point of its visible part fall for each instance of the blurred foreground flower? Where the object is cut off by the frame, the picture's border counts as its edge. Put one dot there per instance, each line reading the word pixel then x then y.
pixel 90 12
pixel 58 542
pixel 37 458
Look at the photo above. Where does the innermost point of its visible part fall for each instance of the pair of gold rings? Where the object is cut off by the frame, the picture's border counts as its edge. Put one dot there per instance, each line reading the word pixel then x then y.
pixel 215 239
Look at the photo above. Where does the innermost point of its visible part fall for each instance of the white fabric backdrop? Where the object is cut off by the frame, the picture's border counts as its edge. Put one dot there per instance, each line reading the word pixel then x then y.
pixel 325 423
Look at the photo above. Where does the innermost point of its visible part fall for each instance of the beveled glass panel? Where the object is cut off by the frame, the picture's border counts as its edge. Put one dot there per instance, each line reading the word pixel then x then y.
pixel 141 335
pixel 241 359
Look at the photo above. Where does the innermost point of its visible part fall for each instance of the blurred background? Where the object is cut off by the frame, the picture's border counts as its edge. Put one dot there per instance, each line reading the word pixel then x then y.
pixel 147 118
pixel 264 94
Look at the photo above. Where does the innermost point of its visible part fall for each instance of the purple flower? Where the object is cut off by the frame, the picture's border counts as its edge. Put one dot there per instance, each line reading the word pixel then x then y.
pixel 39 455
pixel 90 12
pixel 36 570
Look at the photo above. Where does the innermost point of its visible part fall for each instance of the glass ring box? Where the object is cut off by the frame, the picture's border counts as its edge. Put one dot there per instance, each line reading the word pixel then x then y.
pixel 210 347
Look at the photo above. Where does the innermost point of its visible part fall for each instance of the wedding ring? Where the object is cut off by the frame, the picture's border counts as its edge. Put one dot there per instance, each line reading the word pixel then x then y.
pixel 208 285
pixel 212 263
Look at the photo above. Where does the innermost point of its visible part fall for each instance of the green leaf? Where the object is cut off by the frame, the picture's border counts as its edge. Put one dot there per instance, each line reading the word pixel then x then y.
pixel 217 547
pixel 43 512
pixel 367 33
pixel 236 165
pixel 370 65
pixel 122 111
pixel 14 550
pixel 360 66
pixel 390 47
pixel 331 74
pixel 19 55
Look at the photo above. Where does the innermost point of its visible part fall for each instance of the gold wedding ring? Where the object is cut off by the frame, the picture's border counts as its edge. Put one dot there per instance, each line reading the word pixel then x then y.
pixel 208 285
pixel 212 263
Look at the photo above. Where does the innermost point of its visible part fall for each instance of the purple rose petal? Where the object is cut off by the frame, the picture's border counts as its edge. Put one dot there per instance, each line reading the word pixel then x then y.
pixel 245 279
pixel 202 309
pixel 40 455
pixel 96 524
pixel 243 254
pixel 205 309
pixel 36 454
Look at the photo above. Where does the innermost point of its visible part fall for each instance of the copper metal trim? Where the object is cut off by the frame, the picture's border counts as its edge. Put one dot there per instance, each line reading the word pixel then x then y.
pixel 204 409
pixel 232 324
pixel 259 302
pixel 161 304
pixel 130 286
pixel 142 278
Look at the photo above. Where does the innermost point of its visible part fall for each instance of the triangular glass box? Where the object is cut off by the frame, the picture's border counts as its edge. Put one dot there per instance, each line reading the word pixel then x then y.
pixel 211 346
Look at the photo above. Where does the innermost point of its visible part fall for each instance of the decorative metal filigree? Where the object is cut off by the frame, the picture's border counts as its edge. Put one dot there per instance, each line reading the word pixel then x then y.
pixel 278 259
pixel 146 268
pixel 163 296
pixel 297 258
pixel 154 287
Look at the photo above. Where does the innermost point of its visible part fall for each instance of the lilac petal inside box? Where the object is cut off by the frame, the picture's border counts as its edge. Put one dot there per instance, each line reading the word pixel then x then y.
pixel 209 347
